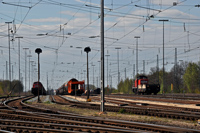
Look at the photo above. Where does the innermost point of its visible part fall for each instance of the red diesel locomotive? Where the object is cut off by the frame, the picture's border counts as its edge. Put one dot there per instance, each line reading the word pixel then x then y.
pixel 142 86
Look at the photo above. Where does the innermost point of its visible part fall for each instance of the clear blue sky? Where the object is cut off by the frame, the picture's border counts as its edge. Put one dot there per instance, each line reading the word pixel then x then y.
pixel 67 27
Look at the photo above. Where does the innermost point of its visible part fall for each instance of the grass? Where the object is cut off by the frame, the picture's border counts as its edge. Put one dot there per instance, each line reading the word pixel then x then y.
pixel 47 102
pixel 28 102
pixel 122 111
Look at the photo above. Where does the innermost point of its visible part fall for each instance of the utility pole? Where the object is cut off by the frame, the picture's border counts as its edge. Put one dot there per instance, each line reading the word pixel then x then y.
pixel 32 70
pixel 12 73
pixel 143 66
pixel 99 73
pixel 97 82
pixel 133 71
pixel 163 56
pixel 125 73
pixel 47 85
pixel 93 76
pixel 102 56
pixel 25 67
pixel 9 54
pixel 29 69
pixel 175 69
pixel 137 54
pixel 110 83
pixel 107 67
pixel 118 63
pixel 19 57
pixel 6 70
pixel 158 68
pixel 19 53
pixel 137 58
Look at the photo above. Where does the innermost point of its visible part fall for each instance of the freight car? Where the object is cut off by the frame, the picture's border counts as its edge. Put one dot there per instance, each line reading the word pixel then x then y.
pixel 72 87
pixel 36 86
pixel 143 87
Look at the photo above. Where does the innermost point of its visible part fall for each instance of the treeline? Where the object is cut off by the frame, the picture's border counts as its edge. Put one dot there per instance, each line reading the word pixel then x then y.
pixel 182 78
pixel 16 87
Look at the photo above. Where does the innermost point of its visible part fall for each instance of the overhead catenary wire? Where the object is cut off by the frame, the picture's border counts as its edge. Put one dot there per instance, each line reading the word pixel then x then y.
pixel 114 13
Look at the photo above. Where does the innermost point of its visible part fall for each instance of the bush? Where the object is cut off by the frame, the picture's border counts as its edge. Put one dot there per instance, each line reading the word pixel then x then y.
pixel 122 111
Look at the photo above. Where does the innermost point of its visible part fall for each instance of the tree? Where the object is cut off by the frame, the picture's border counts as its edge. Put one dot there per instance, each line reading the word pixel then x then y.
pixel 5 87
pixel 178 72
pixel 191 78
pixel 1 89
pixel 154 76
pixel 125 86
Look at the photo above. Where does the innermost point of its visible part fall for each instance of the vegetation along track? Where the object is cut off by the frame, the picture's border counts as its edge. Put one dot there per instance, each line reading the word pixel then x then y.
pixel 27 118
pixel 127 124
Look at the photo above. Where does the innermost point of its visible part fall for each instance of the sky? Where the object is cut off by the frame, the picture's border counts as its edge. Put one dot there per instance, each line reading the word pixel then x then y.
pixel 62 29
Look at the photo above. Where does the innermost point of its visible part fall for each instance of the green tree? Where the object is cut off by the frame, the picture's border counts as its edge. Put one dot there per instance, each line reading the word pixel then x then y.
pixel 178 73
pixel 5 86
pixel 125 86
pixel 1 89
pixel 154 76
pixel 191 78
pixel 16 87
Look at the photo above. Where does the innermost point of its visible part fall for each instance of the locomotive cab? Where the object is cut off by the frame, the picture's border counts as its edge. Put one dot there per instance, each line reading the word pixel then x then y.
pixel 72 87
pixel 142 86
pixel 75 87
pixel 141 83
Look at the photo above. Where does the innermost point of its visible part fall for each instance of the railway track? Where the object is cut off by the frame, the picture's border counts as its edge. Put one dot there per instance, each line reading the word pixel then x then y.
pixel 17 116
pixel 33 119
pixel 151 127
pixel 179 98
pixel 128 102
pixel 159 111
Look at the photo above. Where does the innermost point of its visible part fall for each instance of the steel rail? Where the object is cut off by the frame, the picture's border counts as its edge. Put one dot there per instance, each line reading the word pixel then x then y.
pixel 143 125
pixel 35 116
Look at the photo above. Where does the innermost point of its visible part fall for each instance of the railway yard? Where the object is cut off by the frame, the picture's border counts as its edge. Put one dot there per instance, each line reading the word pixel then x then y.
pixel 86 66
pixel 123 113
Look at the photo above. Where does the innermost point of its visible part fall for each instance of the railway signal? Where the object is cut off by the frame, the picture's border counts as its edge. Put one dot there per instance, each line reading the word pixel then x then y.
pixel 87 50
pixel 38 51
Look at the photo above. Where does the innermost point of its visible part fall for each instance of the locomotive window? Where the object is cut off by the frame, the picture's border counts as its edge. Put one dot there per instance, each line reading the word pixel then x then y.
pixel 142 77
pixel 74 86
pixel 81 86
